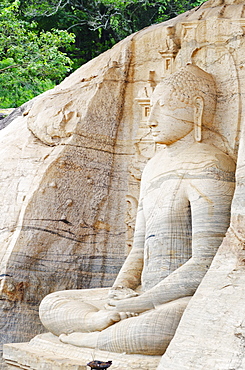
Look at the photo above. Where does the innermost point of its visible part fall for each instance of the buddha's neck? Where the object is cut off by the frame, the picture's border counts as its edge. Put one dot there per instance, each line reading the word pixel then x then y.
pixel 180 145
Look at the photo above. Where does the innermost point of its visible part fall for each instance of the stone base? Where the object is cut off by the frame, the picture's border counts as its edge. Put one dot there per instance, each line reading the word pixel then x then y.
pixel 46 352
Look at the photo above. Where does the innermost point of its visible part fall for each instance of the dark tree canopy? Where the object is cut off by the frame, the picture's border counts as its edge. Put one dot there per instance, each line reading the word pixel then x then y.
pixel 42 41
pixel 99 24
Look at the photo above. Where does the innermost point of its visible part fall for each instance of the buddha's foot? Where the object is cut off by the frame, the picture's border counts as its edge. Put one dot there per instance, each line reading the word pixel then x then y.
pixel 88 340
pixel 100 320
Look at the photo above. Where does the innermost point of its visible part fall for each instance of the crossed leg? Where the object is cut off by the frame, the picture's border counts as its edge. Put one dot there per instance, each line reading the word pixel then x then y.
pixel 149 333
pixel 76 310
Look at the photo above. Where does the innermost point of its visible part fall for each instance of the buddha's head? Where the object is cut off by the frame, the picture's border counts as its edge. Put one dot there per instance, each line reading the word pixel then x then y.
pixel 181 103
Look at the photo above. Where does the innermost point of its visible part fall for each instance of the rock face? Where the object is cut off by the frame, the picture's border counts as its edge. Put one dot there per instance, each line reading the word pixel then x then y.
pixel 56 228
pixel 183 215
pixel 71 168
pixel 211 333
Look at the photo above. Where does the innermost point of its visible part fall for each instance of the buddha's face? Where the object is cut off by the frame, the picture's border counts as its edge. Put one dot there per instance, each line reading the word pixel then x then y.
pixel 170 119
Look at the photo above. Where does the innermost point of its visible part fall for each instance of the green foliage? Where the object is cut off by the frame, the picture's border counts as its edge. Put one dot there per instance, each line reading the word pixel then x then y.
pixel 99 24
pixel 36 53
pixel 31 61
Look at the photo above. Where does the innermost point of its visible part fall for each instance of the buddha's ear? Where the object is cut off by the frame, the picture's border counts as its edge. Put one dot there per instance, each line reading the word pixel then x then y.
pixel 198 114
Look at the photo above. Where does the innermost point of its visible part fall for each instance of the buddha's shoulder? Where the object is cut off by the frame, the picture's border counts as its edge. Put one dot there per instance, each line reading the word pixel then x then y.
pixel 206 155
pixel 197 158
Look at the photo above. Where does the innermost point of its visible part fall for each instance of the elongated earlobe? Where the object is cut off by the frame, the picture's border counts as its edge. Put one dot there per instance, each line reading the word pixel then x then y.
pixel 198 113
pixel 198 129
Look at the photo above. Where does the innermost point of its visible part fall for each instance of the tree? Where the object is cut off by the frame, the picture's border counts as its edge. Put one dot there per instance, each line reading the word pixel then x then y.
pixel 31 61
pixel 36 52
pixel 99 24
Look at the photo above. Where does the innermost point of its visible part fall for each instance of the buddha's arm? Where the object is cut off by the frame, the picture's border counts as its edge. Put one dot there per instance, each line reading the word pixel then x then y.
pixel 210 207
pixel 130 273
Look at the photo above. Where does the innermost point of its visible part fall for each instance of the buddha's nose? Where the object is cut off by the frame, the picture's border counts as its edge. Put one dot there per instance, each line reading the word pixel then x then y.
pixel 152 119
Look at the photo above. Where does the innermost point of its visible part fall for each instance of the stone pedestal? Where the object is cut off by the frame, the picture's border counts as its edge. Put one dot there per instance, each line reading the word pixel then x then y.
pixel 46 352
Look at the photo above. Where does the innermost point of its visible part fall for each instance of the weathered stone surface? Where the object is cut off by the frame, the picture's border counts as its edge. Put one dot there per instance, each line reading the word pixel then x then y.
pixel 183 214
pixel 64 209
pixel 56 231
pixel 45 351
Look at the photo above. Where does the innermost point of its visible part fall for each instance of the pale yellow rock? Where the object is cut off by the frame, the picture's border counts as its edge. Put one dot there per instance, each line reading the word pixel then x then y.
pixel 55 228
pixel 46 352
pixel 183 214
pixel 57 232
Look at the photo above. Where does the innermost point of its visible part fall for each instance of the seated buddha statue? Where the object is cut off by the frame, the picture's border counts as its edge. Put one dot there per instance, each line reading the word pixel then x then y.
pixel 183 214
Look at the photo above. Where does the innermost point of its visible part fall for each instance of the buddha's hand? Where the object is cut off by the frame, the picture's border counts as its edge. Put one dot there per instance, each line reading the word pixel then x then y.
pixel 133 304
pixel 120 292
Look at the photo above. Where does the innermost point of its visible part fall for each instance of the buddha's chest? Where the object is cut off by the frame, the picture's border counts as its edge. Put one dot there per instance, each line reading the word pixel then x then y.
pixel 168 229
pixel 166 203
